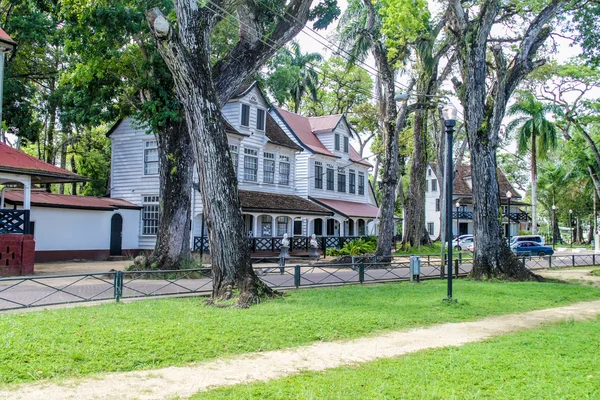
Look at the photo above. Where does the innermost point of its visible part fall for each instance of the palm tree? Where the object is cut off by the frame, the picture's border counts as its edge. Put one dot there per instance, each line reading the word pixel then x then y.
pixel 535 134
pixel 294 75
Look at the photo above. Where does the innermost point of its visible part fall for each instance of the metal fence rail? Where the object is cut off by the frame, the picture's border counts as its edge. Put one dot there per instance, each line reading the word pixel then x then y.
pixel 34 291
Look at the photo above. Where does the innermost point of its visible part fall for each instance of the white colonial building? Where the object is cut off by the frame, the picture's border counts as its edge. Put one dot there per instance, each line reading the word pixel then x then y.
pixel 514 218
pixel 296 175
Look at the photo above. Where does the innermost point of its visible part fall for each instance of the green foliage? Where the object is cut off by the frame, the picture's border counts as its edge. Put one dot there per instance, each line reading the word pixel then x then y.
pixel 356 247
pixel 149 334
pixel 554 362
pixel 293 76
pixel 342 87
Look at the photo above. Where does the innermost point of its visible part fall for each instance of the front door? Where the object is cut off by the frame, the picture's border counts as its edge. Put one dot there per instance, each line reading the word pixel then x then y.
pixel 463 229
pixel 297 228
pixel 116 235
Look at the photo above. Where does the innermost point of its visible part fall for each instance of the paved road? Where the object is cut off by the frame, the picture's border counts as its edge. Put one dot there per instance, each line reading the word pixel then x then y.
pixel 39 291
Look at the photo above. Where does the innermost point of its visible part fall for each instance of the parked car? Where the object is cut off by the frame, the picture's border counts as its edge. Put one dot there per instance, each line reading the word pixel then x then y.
pixel 527 238
pixel 457 240
pixel 464 243
pixel 531 248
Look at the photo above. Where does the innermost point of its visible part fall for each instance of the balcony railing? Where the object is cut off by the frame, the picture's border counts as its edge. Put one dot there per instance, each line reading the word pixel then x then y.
pixel 462 215
pixel 273 244
pixel 14 221
pixel 518 216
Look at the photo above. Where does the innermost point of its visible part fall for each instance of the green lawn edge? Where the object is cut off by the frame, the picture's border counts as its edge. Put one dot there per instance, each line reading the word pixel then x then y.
pixel 74 342
pixel 557 361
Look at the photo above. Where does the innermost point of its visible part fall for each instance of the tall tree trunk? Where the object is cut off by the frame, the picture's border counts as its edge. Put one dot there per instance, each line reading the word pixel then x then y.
pixel 484 109
pixel 63 161
pixel 176 177
pixel 74 170
pixel 416 232
pixel 190 66
pixel 533 185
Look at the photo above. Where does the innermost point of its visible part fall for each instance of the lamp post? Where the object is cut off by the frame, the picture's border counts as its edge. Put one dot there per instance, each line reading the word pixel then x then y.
pixel 508 196
pixel 6 46
pixel 449 122
pixel 553 219
pixel 571 224
pixel 457 220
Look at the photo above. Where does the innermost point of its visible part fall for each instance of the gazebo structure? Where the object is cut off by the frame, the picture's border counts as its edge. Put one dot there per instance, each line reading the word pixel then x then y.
pixel 18 169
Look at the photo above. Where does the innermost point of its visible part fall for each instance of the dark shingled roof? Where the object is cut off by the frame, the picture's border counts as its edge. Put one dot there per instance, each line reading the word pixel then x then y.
pixel 244 88
pixel 279 203
pixel 277 136
pixel 461 187
pixel 44 199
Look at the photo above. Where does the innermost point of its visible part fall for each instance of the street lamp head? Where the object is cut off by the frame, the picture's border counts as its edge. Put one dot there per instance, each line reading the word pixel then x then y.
pixel 457 204
pixel 401 96
pixel 553 207
pixel 509 194
pixel 570 211
pixel 450 113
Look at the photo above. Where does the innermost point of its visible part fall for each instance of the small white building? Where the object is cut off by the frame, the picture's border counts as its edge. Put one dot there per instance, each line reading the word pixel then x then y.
pixel 67 227
pixel 516 218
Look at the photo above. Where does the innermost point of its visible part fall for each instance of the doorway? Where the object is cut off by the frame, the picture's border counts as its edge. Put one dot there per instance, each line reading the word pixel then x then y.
pixel 116 235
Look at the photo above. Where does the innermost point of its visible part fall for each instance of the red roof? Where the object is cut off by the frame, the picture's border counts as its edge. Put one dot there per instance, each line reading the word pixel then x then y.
pixel 5 38
pixel 15 161
pixel 349 208
pixel 324 124
pixel 306 129
pixel 45 199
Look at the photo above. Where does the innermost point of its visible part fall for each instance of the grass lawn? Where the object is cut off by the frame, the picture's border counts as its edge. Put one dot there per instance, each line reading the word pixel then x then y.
pixel 555 362
pixel 434 250
pixel 157 333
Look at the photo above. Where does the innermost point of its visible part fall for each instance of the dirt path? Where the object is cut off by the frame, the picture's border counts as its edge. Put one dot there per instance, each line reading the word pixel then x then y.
pixel 582 275
pixel 170 382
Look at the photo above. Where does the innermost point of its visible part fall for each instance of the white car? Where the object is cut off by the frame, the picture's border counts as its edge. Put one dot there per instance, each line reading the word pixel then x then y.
pixel 459 239
pixel 464 244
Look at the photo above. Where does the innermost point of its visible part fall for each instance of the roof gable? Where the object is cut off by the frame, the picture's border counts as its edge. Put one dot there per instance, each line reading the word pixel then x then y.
pixel 462 182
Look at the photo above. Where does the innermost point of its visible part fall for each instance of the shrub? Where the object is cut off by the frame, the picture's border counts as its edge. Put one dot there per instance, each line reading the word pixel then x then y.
pixel 356 247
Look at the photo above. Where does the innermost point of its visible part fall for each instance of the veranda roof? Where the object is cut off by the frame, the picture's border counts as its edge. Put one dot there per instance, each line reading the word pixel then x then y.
pixel 44 199
pixel 279 203
pixel 349 208
pixel 14 161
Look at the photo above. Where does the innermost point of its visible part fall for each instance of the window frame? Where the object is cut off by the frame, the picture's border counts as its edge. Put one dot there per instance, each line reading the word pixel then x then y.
pixel 283 162
pixel 264 119
pixel 330 175
pixel 318 175
pixel 242 108
pixel 341 180
pixel 234 153
pixel 346 144
pixel 248 156
pixel 361 183
pixel 430 228
pixel 148 163
pixel 336 141
pixel 268 159
pixel 150 206
pixel 437 205
pixel 434 185
pixel 352 181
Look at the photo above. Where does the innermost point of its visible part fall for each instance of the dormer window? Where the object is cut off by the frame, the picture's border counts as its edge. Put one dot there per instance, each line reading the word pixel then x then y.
pixel 260 119
pixel 337 142
pixel 346 145
pixel 245 115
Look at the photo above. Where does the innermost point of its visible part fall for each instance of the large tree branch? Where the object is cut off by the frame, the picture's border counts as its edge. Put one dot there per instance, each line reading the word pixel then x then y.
pixel 254 47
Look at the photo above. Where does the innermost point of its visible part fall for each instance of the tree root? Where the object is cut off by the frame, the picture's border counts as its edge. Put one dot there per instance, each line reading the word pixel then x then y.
pixel 234 296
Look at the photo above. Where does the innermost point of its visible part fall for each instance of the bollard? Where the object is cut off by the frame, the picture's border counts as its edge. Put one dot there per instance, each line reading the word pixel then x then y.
pixel 361 273
pixel 297 276
pixel 573 257
pixel 415 268
pixel 118 282
pixel 550 262
pixel 455 267
pixel 281 265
